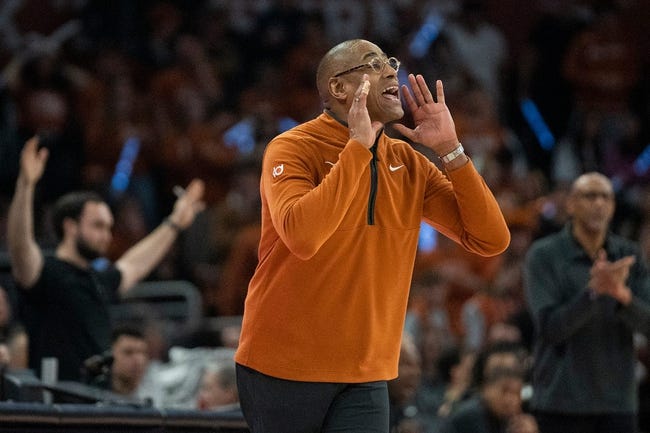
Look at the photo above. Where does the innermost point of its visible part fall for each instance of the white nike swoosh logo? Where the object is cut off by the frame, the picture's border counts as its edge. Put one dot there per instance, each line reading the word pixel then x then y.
pixel 391 168
pixel 330 163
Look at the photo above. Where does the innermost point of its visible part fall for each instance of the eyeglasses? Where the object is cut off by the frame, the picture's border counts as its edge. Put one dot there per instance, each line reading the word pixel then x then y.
pixel 377 64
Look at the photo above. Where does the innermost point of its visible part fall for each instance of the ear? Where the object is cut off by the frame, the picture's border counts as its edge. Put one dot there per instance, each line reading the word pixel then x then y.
pixel 337 89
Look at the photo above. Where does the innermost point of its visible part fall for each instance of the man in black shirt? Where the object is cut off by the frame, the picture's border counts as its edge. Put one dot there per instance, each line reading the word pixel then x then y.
pixel 588 291
pixel 66 299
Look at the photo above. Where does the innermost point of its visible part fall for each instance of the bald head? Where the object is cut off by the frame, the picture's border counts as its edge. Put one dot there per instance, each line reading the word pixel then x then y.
pixel 333 62
pixel 587 180
pixel 591 206
pixel 340 74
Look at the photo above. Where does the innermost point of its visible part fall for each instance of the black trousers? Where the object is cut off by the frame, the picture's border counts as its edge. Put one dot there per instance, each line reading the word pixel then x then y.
pixel 272 405
pixel 551 422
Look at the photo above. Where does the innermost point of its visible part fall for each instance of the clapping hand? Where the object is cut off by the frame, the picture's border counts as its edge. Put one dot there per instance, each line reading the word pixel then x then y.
pixel 609 278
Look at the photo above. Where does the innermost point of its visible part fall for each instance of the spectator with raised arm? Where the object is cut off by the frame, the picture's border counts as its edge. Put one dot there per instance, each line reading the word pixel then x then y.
pixel 65 298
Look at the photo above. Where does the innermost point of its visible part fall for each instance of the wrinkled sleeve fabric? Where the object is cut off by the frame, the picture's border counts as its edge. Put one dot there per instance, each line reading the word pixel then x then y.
pixel 461 206
pixel 305 214
pixel 636 315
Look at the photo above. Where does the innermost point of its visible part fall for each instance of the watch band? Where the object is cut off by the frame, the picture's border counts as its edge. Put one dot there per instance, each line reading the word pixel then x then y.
pixel 453 154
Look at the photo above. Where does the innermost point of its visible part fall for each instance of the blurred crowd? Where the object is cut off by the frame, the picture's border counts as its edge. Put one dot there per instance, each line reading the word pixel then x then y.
pixel 134 98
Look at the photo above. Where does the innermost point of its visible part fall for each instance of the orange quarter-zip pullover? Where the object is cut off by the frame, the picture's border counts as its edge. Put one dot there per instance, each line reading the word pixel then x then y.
pixel 340 227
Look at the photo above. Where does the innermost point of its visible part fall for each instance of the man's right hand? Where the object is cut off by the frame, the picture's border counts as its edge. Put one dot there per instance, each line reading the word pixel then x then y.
pixel 32 161
pixel 362 128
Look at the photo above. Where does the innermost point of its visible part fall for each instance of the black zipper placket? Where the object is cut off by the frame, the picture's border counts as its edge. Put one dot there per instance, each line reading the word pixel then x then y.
pixel 373 184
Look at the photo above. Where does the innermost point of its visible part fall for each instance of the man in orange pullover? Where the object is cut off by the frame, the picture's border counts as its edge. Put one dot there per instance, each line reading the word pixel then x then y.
pixel 341 209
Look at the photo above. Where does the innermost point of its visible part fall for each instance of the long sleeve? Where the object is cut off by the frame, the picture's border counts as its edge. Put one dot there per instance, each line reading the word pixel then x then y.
pixel 305 214
pixel 339 237
pixel 637 314
pixel 465 210
pixel 557 320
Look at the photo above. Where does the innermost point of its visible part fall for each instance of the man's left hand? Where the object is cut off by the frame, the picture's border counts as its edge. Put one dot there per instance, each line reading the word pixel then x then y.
pixel 434 126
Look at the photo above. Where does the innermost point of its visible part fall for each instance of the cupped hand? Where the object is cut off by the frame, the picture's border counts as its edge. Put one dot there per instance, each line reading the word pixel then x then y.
pixel 434 126
pixel 362 128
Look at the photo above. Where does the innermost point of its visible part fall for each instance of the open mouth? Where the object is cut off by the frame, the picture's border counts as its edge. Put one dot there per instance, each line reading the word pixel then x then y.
pixel 391 92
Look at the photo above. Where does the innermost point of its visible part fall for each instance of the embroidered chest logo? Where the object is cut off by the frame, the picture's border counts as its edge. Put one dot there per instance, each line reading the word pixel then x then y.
pixel 392 167
pixel 278 170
